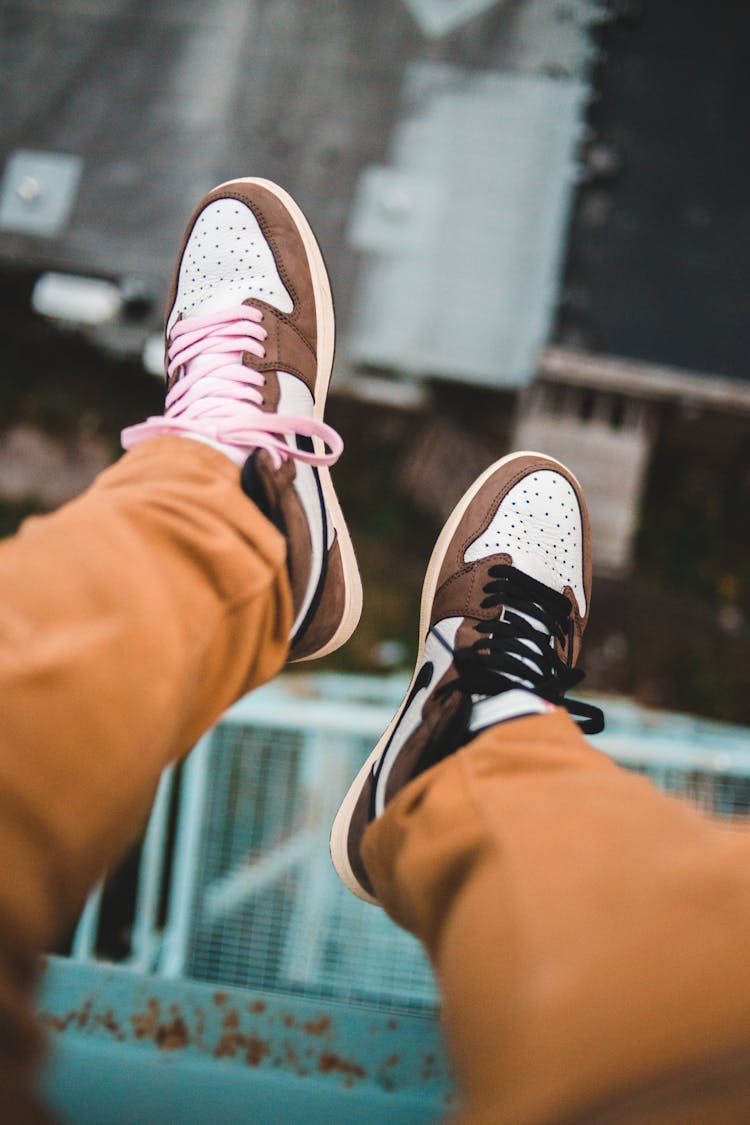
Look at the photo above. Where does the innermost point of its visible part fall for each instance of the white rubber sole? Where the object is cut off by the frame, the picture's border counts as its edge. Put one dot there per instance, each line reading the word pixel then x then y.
pixel 340 830
pixel 326 337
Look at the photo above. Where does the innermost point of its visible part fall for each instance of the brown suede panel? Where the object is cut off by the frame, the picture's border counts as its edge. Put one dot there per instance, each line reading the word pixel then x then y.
pixel 360 819
pixel 285 347
pixel 286 507
pixel 271 393
pixel 330 610
pixel 466 635
pixel 280 231
pixel 462 593
pixel 437 713
pixel 299 545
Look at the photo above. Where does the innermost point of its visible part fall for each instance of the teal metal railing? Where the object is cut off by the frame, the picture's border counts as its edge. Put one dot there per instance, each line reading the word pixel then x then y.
pixel 249 967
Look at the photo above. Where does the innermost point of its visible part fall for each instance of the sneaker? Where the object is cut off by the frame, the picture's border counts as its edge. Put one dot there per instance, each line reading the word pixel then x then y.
pixel 249 352
pixel 504 607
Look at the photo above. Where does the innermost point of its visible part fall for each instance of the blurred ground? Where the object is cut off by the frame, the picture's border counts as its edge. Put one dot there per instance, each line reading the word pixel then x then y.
pixel 657 269
pixel 674 635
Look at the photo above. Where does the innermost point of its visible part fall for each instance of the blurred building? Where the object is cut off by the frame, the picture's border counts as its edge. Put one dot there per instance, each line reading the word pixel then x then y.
pixel 535 200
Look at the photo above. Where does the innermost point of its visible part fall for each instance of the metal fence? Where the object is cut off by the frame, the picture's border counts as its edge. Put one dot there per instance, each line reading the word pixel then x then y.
pixel 234 884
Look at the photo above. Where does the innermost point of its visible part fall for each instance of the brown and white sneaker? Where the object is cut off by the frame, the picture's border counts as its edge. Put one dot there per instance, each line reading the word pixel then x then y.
pixel 249 352
pixel 504 606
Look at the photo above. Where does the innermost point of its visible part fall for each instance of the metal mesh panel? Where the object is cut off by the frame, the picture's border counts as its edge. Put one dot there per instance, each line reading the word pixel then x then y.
pixel 269 910
pixel 716 794
pixel 253 899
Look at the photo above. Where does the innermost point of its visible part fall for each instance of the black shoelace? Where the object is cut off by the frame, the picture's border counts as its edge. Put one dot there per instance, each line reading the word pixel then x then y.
pixel 500 658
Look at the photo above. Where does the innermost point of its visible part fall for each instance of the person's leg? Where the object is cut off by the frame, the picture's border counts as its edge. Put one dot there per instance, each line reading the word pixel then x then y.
pixel 588 932
pixel 185 576
pixel 131 618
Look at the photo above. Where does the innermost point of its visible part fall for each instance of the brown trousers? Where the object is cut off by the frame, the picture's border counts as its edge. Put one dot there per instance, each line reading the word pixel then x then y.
pixel 588 932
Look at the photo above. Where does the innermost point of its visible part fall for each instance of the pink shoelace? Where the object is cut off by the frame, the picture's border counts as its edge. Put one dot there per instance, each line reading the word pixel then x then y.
pixel 218 397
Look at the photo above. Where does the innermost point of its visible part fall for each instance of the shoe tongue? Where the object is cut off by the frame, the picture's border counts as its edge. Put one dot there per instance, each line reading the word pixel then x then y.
pixel 535 649
pixel 203 363
pixel 486 710
pixel 490 709
pixel 544 640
